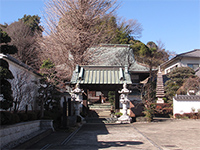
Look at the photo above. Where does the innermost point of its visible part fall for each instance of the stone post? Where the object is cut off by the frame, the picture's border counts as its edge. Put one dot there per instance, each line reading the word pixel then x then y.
pixel 124 100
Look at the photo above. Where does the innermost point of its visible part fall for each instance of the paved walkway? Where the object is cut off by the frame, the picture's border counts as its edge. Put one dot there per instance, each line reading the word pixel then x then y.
pixel 162 135
pixel 172 135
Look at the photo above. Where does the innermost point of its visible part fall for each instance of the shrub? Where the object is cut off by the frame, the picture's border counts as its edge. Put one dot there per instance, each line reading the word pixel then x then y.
pixel 187 116
pixel 8 118
pixel 149 113
pixel 178 116
pixel 163 110
pixel 32 116
pixel 23 117
pixel 5 117
pixel 16 118
pixel 118 114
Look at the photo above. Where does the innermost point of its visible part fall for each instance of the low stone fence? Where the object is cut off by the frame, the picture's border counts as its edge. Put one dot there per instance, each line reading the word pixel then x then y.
pixel 14 132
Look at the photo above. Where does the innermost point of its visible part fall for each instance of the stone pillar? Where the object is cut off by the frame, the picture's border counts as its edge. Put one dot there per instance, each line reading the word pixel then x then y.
pixel 124 100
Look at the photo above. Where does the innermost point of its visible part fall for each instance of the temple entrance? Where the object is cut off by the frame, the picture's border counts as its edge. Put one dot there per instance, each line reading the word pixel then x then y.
pixel 101 85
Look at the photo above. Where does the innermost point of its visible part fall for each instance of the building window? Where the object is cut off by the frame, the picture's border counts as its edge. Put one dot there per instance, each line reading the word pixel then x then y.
pixel 193 66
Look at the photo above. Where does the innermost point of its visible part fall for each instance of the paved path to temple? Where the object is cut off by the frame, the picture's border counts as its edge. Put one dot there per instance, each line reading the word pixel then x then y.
pixel 162 135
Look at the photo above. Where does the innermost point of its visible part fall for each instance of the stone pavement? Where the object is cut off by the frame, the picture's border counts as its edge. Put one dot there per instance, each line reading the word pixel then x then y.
pixel 172 134
pixel 162 135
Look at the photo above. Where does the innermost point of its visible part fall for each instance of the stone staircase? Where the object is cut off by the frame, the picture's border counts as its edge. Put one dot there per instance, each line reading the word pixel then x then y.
pixel 102 110
pixel 100 113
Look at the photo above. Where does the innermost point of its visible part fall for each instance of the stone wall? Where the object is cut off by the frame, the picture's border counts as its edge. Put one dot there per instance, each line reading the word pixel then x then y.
pixel 14 132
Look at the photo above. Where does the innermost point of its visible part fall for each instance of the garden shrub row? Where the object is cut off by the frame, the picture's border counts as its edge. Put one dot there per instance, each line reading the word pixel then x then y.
pixel 8 118
pixel 163 110
pixel 188 116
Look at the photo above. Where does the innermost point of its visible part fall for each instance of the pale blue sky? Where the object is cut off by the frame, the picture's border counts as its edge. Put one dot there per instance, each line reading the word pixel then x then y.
pixel 175 22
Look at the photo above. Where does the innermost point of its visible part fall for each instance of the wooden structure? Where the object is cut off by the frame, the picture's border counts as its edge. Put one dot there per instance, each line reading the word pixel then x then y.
pixel 115 66
pixel 99 80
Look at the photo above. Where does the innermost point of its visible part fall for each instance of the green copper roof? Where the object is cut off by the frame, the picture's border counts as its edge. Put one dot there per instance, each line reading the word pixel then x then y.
pixel 101 75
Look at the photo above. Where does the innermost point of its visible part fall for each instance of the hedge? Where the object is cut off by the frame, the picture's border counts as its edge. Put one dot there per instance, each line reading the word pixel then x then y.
pixel 8 118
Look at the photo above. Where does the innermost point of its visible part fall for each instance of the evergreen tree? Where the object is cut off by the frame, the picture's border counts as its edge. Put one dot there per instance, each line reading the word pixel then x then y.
pixel 176 80
pixel 33 22
pixel 5 74
pixel 48 97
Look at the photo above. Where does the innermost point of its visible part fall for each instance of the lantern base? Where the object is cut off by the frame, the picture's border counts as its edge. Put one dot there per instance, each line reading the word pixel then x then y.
pixel 124 119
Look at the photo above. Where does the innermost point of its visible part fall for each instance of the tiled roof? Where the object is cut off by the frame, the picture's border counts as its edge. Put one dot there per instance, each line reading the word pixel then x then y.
pixel 100 75
pixel 14 60
pixel 116 55
pixel 187 97
pixel 194 53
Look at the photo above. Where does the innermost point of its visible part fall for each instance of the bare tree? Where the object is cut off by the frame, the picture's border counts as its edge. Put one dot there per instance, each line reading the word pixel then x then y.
pixel 23 90
pixel 25 41
pixel 73 26
pixel 167 55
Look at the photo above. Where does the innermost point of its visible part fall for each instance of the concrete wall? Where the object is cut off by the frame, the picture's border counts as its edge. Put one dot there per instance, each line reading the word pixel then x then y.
pixel 15 132
pixel 180 107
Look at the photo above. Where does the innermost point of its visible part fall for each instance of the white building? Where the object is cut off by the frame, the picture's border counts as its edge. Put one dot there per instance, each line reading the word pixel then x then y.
pixel 189 59
pixel 24 84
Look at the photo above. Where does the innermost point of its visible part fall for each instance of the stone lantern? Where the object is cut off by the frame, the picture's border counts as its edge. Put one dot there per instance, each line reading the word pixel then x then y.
pixel 76 95
pixel 124 100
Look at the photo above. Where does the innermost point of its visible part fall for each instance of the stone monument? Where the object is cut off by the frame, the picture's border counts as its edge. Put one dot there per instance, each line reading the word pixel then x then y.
pixel 124 100
pixel 76 95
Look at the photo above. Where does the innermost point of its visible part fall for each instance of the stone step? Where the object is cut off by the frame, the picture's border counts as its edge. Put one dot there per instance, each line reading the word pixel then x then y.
pixel 99 106
pixel 101 120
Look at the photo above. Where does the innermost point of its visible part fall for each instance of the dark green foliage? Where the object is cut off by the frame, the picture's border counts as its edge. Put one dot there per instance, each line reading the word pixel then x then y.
pixel 176 80
pixel 47 64
pixel 32 116
pixel 8 49
pixel 6 91
pixel 33 22
pixel 111 97
pixel 23 117
pixel 5 48
pixel 48 92
pixel 121 32
pixel 163 110
pixel 8 118
pixel 152 55
pixel 4 37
